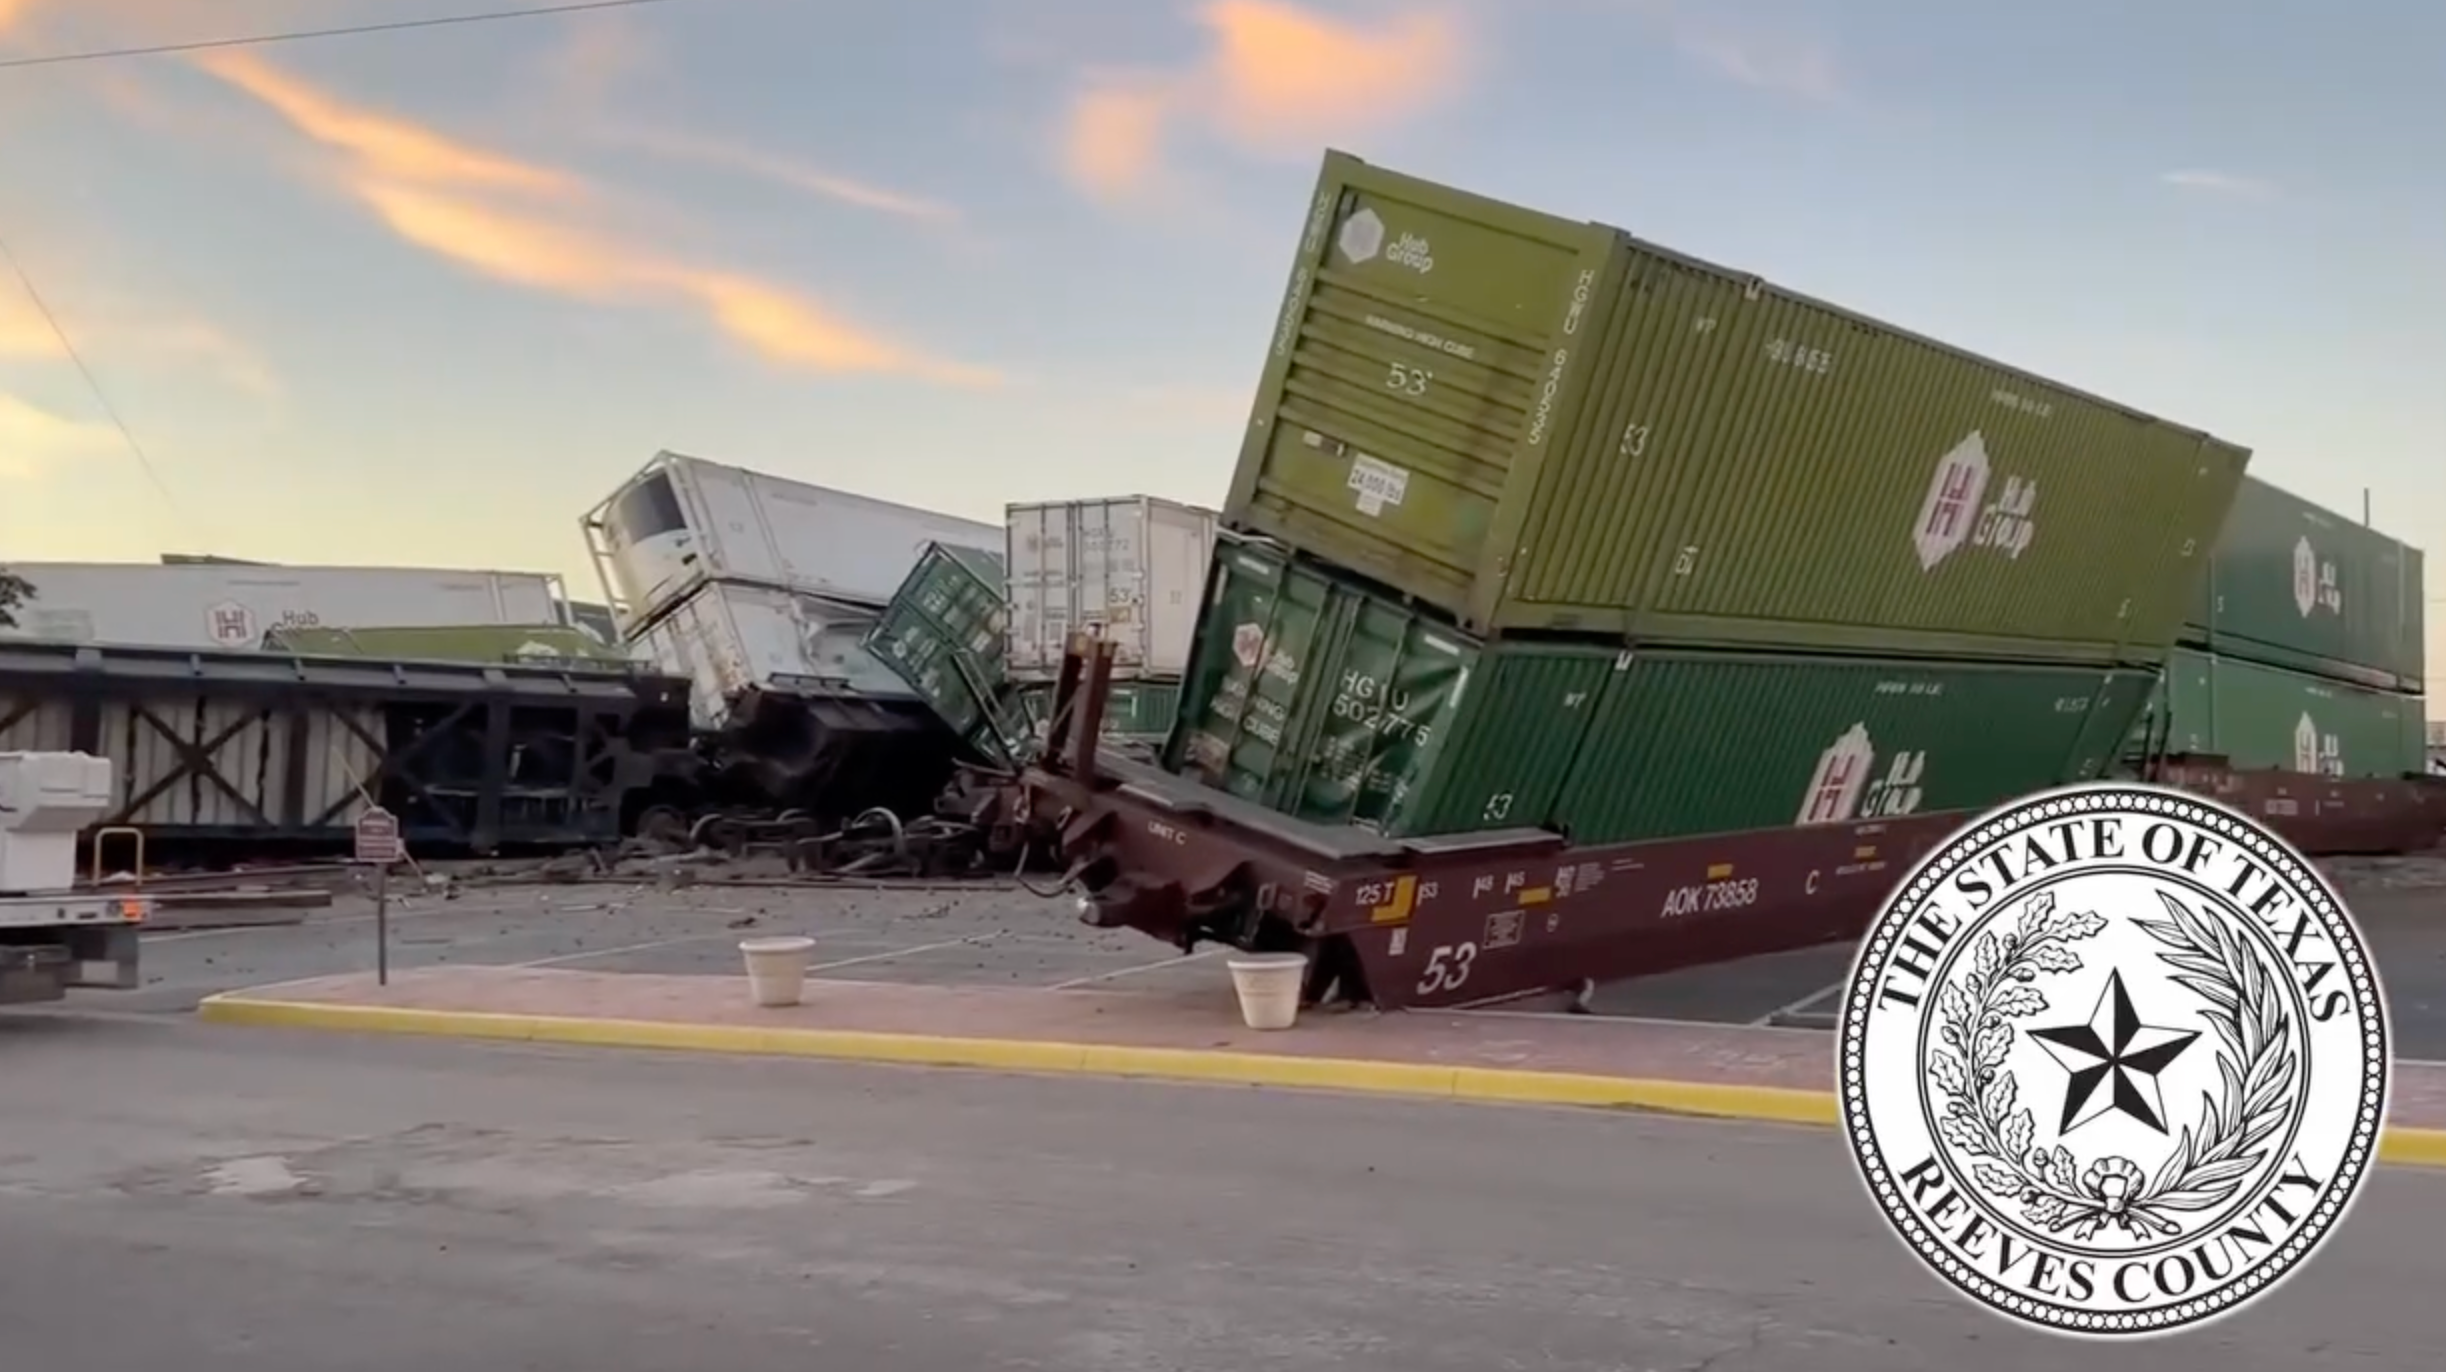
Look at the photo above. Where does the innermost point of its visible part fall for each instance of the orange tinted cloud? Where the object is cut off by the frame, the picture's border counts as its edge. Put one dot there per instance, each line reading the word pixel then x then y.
pixel 385 147
pixel 1115 138
pixel 23 334
pixel 447 197
pixel 32 438
pixel 1275 78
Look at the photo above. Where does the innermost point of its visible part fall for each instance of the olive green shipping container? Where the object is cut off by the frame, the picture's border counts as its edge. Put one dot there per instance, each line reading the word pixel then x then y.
pixel 942 633
pixel 2258 716
pixel 1532 423
pixel 527 645
pixel 1314 696
pixel 2295 585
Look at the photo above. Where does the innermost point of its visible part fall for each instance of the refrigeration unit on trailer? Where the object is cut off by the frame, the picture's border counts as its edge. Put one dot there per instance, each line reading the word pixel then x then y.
pixel 220 607
pixel 54 937
pixel 1130 569
pixel 682 522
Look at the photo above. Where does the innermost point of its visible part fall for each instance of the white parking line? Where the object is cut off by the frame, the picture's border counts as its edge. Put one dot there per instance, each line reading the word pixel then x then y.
pixel 651 944
pixel 1768 1019
pixel 1175 961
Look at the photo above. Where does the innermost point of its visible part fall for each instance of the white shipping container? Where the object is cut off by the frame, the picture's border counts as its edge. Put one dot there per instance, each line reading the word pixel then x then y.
pixel 683 522
pixel 727 637
pixel 222 607
pixel 1131 567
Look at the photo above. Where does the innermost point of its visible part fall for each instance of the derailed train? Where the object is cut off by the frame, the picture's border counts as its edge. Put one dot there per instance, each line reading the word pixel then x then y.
pixel 1589 609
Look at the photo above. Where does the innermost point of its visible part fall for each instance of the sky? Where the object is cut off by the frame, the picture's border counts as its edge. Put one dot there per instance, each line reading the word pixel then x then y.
pixel 425 297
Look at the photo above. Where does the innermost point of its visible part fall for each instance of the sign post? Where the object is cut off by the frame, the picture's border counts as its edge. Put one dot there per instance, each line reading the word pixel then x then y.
pixel 377 836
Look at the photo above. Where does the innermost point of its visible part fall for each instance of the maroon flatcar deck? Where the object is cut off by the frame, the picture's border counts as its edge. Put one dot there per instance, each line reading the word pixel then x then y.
pixel 1477 918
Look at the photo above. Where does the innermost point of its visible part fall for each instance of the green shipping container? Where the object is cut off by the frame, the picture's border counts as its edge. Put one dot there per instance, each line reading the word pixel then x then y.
pixel 943 634
pixel 1134 711
pixel 1532 423
pixel 1696 742
pixel 2296 585
pixel 530 645
pixel 2258 716
pixel 1316 697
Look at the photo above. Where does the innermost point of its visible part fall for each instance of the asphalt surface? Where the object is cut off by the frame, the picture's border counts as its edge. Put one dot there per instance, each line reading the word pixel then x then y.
pixel 1007 937
pixel 223 1200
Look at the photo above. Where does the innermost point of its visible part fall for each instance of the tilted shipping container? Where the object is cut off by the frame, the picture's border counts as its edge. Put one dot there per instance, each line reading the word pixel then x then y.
pixel 221 606
pixel 726 637
pixel 1313 695
pixel 2258 716
pixel 1129 568
pixel 1539 424
pixel 2295 585
pixel 943 635
pixel 682 522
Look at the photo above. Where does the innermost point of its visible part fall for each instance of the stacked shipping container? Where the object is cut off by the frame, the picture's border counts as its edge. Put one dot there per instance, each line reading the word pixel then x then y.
pixel 1539 524
pixel 980 638
pixel 2303 647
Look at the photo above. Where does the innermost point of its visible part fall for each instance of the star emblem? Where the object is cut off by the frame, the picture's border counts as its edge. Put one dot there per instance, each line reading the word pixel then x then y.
pixel 2114 1060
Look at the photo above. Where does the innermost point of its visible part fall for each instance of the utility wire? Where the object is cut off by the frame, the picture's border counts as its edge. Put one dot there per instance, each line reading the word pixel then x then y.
pixel 302 35
pixel 92 383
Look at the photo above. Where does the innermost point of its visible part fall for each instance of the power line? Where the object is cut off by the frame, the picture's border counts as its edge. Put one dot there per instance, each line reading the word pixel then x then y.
pixel 302 35
pixel 92 383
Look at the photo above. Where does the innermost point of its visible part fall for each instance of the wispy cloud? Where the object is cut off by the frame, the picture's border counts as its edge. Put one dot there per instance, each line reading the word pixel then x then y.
pixel 2208 182
pixel 33 439
pixel 786 172
pixel 529 225
pixel 144 337
pixel 1785 62
pixel 1274 79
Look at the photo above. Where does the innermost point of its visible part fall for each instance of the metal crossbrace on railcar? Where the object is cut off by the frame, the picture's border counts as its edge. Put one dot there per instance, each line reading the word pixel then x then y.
pixel 276 751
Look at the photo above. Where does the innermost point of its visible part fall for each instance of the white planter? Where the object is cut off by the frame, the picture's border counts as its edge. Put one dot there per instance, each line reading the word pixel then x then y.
pixel 777 968
pixel 1268 985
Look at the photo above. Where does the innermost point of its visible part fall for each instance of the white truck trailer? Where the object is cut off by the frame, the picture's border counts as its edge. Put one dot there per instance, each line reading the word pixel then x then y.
pixel 52 936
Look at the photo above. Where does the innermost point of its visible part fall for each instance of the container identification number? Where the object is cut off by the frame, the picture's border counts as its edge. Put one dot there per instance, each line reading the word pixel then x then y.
pixel 1786 353
pixel 1714 895
pixel 1447 968
pixel 1403 380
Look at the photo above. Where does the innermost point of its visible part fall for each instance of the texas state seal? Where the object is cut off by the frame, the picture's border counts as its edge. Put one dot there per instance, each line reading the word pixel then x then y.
pixel 2114 1060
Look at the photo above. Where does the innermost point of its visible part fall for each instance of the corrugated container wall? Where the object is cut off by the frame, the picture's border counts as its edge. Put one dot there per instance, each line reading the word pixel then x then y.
pixel 683 521
pixel 530 645
pixel 218 607
pixel 1131 568
pixel 2259 717
pixel 2295 585
pixel 725 638
pixel 1318 698
pixel 943 635
pixel 1135 712
pixel 1539 424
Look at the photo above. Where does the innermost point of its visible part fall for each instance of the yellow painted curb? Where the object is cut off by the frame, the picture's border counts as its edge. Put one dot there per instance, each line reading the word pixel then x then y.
pixel 2411 1147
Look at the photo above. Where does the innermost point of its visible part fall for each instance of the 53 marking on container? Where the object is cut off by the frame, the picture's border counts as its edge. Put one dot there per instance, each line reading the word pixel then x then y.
pixel 1447 968
pixel 1406 380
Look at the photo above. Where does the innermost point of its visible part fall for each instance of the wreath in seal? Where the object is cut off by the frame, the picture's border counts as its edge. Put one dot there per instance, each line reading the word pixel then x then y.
pixel 2056 1190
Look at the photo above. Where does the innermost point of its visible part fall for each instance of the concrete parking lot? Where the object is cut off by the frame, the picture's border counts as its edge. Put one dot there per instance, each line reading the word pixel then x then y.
pixel 1005 936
